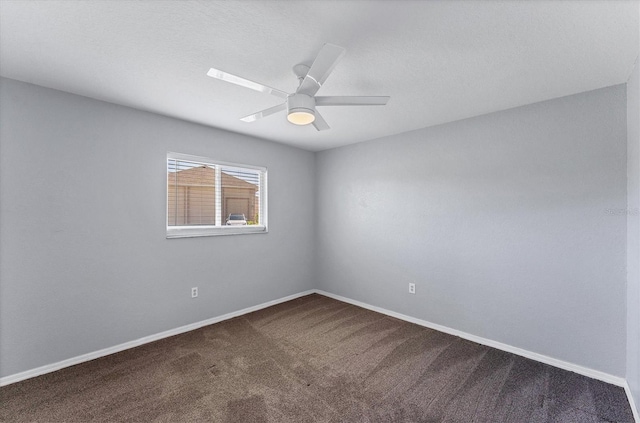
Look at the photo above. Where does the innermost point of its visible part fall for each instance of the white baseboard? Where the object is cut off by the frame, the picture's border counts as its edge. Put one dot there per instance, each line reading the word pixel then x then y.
pixel 595 374
pixel 131 344
pixel 632 403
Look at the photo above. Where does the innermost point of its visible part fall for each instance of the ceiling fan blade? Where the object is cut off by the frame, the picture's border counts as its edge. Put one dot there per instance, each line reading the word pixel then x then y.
pixel 320 123
pixel 321 68
pixel 352 101
pixel 218 74
pixel 264 113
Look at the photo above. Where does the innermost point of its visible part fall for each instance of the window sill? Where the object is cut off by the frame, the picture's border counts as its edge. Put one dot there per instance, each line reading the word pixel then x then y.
pixel 192 232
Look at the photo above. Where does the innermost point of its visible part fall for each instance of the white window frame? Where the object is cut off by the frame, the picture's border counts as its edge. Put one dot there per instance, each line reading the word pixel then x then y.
pixel 219 228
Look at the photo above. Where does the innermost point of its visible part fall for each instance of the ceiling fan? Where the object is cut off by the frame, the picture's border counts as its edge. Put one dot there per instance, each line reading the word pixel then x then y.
pixel 301 105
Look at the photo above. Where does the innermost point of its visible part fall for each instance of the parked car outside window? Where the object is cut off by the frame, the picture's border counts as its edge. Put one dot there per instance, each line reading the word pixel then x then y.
pixel 236 219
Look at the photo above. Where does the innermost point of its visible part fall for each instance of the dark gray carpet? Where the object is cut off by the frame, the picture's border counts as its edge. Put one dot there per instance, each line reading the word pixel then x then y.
pixel 313 359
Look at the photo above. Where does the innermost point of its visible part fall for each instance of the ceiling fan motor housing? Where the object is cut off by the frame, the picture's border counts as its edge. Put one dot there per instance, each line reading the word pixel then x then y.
pixel 301 103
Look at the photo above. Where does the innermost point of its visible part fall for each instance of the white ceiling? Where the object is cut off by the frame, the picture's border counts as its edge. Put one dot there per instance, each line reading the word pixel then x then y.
pixel 439 61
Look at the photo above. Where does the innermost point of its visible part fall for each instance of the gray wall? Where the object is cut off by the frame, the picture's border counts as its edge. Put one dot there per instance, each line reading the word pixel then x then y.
pixel 633 234
pixel 512 225
pixel 85 264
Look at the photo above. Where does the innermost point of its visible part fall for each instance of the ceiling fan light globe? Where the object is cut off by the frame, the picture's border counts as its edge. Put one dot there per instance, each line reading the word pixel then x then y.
pixel 301 116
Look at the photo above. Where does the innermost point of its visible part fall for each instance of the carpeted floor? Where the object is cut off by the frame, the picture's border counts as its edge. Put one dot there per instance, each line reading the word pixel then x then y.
pixel 313 359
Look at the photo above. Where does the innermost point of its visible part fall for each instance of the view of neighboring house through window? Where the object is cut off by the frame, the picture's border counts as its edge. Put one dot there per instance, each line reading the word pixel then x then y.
pixel 205 197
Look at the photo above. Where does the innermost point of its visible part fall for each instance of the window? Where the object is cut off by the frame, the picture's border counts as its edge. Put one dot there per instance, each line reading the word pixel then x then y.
pixel 207 197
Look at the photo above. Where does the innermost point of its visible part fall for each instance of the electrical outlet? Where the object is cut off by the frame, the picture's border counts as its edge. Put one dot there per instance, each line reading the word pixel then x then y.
pixel 412 288
pixel 194 292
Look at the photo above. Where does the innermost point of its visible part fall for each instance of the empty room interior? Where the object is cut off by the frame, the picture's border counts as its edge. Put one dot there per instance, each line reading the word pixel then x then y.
pixel 319 211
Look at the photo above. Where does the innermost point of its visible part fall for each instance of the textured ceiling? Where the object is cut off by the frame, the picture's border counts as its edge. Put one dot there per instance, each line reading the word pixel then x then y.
pixel 439 61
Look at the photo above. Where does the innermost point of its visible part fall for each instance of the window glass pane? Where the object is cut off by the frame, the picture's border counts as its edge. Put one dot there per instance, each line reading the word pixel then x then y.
pixel 240 196
pixel 191 192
